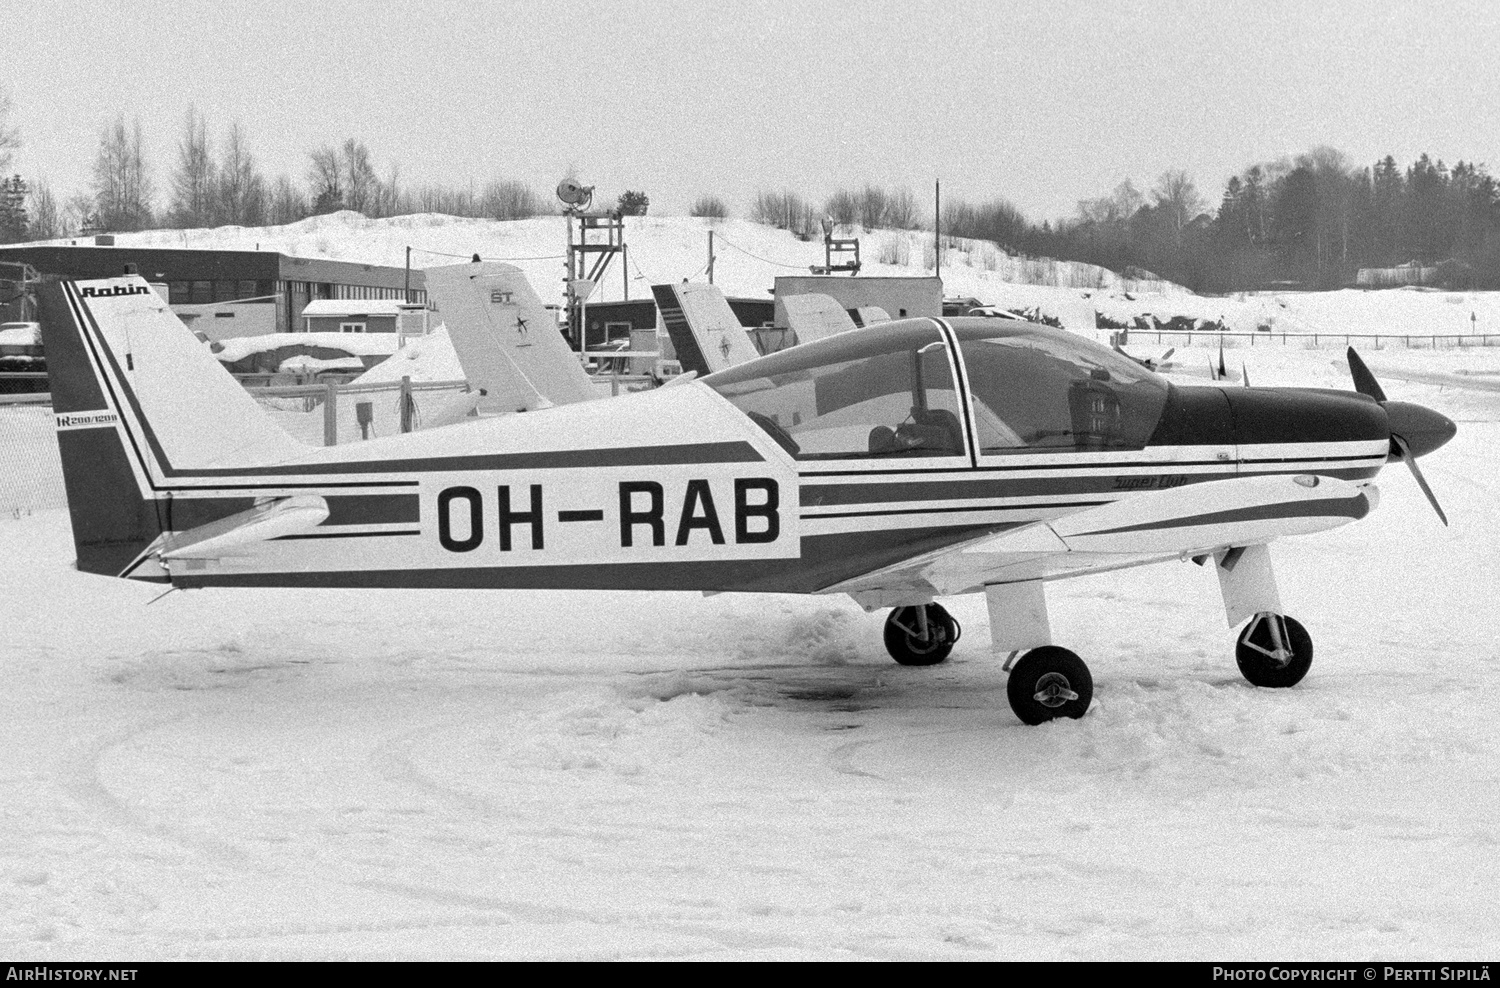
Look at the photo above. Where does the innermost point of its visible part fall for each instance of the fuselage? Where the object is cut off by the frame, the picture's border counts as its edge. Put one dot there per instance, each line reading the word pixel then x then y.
pixel 791 473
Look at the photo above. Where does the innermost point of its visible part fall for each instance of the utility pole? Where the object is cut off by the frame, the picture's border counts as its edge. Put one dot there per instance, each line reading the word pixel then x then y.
pixel 710 257
pixel 937 226
pixel 407 294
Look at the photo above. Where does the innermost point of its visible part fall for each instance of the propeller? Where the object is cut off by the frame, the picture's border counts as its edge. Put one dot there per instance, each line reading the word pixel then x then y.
pixel 1415 429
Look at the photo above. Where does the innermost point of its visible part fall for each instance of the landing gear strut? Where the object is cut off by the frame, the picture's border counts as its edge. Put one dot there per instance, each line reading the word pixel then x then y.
pixel 1274 650
pixel 1049 682
pixel 921 635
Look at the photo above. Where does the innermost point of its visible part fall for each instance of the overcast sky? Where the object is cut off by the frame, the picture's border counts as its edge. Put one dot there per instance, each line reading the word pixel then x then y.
pixel 1044 102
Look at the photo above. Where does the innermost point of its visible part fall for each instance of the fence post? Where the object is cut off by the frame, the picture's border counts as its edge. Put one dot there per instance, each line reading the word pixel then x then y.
pixel 406 403
pixel 331 413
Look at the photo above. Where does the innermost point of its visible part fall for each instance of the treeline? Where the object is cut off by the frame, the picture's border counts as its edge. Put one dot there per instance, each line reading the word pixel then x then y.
pixel 220 182
pixel 872 207
pixel 1311 221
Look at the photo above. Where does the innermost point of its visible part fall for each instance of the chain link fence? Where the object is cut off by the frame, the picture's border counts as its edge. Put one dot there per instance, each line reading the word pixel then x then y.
pixel 30 470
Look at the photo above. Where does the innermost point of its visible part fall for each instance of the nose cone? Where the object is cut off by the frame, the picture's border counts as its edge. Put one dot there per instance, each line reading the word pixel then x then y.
pixel 1423 429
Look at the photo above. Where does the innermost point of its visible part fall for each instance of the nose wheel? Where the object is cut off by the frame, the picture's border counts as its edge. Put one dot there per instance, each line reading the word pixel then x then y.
pixel 1274 651
pixel 921 635
pixel 1047 683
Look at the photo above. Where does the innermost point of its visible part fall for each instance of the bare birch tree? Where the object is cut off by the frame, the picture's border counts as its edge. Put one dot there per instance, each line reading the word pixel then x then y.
pixel 193 178
pixel 10 138
pixel 122 185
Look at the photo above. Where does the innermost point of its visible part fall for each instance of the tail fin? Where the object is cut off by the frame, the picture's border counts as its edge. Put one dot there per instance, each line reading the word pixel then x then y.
pixel 703 328
pixel 814 315
pixel 506 341
pixel 139 404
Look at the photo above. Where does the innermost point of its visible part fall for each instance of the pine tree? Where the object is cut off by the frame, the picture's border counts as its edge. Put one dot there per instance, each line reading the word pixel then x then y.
pixel 14 222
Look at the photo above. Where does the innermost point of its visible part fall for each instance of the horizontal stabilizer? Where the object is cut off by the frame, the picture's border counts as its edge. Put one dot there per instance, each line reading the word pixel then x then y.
pixel 266 521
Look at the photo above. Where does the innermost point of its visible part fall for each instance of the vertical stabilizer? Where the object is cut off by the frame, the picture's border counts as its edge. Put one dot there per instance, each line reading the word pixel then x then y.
pixel 703 328
pixel 112 520
pixel 140 403
pixel 506 340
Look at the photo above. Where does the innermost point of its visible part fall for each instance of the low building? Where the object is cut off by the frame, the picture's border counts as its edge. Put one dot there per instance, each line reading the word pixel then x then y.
pixel 198 281
pixel 364 316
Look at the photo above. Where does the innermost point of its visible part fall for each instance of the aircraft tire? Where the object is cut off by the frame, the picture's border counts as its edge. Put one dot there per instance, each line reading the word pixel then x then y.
pixel 1047 683
pixel 909 650
pixel 1261 669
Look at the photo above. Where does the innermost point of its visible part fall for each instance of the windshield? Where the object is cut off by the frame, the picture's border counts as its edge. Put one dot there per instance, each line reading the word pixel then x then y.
pixel 1040 390
pixel 882 391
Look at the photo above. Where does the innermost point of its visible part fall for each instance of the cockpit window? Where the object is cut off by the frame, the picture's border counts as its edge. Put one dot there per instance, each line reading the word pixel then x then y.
pixel 882 392
pixel 1038 391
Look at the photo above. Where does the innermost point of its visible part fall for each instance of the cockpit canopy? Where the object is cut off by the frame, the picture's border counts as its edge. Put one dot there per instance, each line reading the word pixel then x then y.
pixel 891 391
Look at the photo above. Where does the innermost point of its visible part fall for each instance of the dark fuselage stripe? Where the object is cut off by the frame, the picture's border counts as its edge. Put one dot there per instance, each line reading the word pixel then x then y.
pixel 1087 461
pixel 813 495
pixel 1355 507
pixel 1058 505
pixel 348 535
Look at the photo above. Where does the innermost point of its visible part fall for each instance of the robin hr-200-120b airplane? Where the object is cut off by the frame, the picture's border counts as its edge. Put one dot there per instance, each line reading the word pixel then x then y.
pixel 896 463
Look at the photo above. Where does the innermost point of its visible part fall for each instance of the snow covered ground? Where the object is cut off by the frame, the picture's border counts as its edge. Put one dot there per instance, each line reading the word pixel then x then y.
pixel 343 774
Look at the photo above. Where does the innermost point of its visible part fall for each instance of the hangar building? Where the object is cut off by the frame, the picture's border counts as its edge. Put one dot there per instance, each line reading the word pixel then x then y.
pixel 198 279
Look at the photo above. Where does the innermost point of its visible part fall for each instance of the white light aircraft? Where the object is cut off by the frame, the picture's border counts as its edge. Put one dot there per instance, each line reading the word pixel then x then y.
pixel 907 461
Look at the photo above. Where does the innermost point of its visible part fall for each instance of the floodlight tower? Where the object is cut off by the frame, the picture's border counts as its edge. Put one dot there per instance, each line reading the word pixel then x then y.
pixel 588 260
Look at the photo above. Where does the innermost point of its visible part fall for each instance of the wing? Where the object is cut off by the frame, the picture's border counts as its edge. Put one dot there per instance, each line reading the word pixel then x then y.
pixel 1138 529
pixel 507 341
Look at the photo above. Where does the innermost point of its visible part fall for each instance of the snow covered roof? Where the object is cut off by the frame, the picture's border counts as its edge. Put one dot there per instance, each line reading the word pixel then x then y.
pixel 353 307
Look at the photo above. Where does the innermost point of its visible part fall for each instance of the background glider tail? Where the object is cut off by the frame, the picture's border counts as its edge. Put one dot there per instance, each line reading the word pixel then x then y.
pixel 506 340
pixel 815 316
pixel 703 328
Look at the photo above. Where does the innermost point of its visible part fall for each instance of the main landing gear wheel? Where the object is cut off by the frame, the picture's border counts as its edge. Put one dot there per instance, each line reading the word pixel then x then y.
pixel 1049 682
pixel 1274 650
pixel 921 635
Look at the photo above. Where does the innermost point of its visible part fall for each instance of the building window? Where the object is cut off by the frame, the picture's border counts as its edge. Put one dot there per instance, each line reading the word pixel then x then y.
pixel 351 327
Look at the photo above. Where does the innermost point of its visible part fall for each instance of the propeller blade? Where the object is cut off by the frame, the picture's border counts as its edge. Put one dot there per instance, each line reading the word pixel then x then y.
pixel 1244 374
pixel 1416 471
pixel 1223 371
pixel 1364 381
